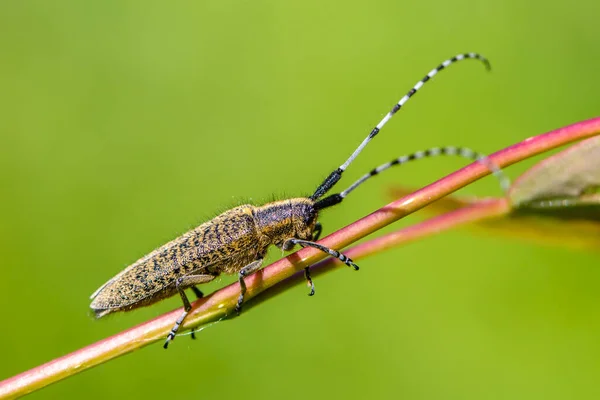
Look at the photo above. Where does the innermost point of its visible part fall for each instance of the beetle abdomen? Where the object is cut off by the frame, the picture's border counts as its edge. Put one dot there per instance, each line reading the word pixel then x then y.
pixel 226 244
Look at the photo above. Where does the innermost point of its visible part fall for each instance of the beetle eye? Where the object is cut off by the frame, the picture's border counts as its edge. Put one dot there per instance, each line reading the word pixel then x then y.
pixel 310 215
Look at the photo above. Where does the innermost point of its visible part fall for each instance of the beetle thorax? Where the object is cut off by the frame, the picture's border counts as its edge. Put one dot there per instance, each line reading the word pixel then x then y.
pixel 286 219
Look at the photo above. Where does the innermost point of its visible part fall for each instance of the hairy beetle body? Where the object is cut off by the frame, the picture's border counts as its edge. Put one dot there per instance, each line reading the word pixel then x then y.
pixel 225 244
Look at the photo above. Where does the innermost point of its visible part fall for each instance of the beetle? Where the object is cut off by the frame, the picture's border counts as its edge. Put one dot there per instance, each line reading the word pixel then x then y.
pixel 236 241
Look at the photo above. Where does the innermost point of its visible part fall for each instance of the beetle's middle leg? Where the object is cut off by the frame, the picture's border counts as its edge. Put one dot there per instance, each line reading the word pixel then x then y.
pixel 181 284
pixel 244 272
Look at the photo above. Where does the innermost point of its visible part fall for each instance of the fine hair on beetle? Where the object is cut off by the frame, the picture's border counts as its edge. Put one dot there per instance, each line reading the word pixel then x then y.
pixel 236 241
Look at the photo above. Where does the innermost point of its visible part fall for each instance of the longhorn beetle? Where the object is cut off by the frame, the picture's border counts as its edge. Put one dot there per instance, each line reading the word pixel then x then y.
pixel 237 240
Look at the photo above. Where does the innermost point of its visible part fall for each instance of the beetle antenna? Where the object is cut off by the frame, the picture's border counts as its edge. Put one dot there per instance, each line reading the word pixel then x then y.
pixel 463 152
pixel 335 176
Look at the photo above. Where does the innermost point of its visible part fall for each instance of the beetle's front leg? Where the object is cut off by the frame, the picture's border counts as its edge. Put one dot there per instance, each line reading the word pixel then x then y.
pixel 316 235
pixel 334 253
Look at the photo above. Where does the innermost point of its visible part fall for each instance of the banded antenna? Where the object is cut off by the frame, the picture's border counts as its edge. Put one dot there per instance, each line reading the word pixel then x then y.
pixel 463 152
pixel 336 175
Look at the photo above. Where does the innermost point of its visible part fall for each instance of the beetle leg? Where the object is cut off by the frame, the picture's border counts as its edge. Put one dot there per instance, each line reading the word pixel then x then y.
pixel 316 236
pixel 197 292
pixel 334 253
pixel 247 270
pixel 182 283
pixel 199 295
pixel 309 281
pixel 317 231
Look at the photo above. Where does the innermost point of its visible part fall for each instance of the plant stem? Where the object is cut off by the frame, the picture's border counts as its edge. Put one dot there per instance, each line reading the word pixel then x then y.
pixel 221 303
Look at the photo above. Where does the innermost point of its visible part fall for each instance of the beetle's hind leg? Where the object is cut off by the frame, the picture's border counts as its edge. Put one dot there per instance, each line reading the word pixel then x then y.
pixel 181 284
pixel 244 272
pixel 199 295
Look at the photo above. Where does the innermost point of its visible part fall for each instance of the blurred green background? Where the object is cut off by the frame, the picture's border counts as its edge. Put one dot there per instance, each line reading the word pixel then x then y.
pixel 125 123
